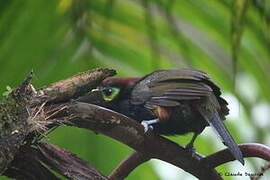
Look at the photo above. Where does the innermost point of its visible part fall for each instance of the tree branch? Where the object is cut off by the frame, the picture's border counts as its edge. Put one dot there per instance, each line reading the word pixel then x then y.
pixel 66 163
pixel 248 150
pixel 128 165
pixel 73 87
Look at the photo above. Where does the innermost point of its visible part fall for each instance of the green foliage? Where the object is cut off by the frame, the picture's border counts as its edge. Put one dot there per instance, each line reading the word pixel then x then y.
pixel 7 92
pixel 228 39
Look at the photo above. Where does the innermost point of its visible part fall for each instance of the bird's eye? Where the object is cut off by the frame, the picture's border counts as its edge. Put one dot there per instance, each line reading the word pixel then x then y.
pixel 109 93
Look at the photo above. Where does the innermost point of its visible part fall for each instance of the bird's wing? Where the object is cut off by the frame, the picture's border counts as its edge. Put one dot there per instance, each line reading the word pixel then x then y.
pixel 168 87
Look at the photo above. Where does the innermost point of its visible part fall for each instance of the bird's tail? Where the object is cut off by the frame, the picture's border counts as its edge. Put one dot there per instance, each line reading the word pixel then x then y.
pixel 209 112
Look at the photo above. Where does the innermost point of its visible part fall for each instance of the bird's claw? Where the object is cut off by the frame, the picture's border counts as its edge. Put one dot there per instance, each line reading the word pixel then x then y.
pixel 146 126
pixel 190 149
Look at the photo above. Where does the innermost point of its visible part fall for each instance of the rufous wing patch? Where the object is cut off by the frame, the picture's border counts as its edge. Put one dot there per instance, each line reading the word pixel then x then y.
pixel 162 113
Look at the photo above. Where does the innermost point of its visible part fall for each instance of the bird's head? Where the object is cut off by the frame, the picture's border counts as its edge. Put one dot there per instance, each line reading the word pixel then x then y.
pixel 114 89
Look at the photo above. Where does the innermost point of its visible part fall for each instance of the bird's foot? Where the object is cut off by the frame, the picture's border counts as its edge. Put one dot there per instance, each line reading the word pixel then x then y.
pixel 190 149
pixel 146 126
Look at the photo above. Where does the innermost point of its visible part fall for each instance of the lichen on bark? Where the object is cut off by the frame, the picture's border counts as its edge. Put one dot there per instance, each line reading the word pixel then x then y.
pixel 13 121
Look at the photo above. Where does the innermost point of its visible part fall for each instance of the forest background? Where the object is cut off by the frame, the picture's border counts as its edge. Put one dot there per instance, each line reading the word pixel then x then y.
pixel 229 39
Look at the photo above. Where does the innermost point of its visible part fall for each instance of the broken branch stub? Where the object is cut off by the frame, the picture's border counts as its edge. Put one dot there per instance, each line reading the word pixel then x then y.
pixel 74 86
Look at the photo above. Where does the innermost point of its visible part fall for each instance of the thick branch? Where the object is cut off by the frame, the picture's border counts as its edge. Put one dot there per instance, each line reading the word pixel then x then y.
pixel 13 121
pixel 66 163
pixel 27 166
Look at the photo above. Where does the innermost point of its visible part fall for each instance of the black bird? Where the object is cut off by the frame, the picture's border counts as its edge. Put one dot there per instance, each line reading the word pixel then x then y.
pixel 172 102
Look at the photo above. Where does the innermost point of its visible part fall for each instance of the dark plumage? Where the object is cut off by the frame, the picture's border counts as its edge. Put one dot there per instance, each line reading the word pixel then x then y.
pixel 181 100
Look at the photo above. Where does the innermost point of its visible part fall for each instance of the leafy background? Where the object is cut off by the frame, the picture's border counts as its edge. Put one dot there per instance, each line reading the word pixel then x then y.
pixel 229 39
